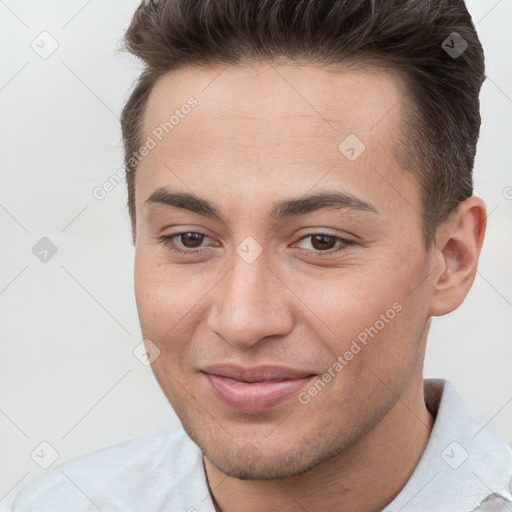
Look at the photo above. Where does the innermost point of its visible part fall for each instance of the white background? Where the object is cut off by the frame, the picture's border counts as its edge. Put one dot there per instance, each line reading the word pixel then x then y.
pixel 68 327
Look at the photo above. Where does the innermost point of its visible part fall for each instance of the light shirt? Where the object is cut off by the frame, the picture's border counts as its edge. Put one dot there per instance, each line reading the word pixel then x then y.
pixel 466 467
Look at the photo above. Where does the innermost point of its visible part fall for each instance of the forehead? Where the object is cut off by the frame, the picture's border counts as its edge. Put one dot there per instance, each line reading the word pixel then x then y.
pixel 256 126
pixel 347 99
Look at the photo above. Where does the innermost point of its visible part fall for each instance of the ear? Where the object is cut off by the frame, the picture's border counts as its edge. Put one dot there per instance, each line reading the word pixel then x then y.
pixel 458 244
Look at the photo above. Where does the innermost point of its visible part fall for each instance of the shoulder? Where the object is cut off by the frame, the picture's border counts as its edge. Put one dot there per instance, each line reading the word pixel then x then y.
pixel 116 477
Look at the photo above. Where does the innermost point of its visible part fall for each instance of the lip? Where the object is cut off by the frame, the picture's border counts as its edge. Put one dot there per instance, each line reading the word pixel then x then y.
pixel 254 389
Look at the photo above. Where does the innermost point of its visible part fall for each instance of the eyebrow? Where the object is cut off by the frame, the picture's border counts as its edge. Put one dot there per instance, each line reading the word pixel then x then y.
pixel 323 200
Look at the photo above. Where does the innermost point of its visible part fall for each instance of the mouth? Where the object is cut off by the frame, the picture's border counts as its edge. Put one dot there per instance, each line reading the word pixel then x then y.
pixel 254 389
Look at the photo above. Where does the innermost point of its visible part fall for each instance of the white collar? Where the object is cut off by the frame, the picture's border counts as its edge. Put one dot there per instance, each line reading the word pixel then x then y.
pixel 465 462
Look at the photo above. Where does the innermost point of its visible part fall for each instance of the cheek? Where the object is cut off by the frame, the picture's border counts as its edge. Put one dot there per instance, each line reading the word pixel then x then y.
pixel 161 298
pixel 162 305
pixel 171 302
pixel 380 306
pixel 346 302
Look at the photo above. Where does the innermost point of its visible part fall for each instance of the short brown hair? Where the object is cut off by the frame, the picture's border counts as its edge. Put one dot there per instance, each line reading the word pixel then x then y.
pixel 412 37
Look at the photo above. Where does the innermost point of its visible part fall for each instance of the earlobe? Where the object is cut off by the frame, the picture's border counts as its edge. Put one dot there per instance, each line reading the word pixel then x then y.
pixel 459 243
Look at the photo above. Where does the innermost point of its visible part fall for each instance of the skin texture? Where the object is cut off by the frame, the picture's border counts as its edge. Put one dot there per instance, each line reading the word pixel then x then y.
pixel 259 135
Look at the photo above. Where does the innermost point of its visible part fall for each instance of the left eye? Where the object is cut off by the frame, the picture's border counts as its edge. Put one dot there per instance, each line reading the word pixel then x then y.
pixel 323 243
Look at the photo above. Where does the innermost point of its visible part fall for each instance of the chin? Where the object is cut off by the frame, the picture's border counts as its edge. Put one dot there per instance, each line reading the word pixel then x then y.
pixel 271 468
pixel 276 462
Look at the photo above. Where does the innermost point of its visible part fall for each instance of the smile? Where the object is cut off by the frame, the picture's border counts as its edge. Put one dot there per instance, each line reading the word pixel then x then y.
pixel 254 390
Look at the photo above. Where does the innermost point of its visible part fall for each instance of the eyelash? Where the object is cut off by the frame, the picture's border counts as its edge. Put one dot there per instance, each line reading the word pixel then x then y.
pixel 166 240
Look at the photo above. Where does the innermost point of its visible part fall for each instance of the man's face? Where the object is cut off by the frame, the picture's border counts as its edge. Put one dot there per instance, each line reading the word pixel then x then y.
pixel 288 288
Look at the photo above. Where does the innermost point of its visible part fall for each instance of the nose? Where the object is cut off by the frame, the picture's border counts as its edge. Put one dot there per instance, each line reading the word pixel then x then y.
pixel 251 303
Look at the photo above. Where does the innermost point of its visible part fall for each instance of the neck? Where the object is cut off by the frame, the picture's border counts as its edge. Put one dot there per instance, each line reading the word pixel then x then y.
pixel 381 462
